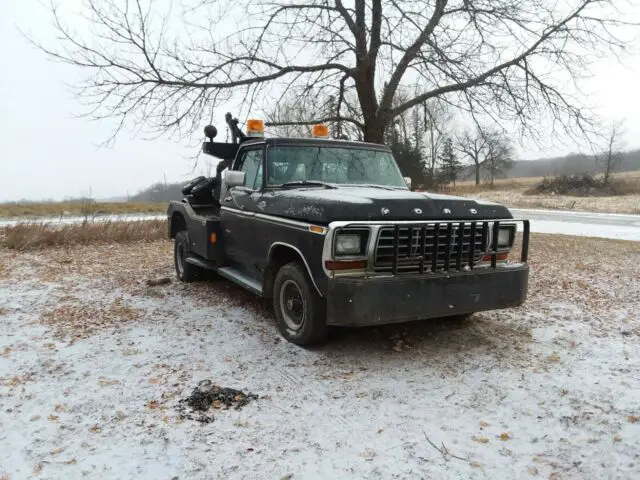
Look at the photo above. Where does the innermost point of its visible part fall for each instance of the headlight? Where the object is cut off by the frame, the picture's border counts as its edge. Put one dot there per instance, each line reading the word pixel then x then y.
pixel 506 235
pixel 348 244
pixel 351 242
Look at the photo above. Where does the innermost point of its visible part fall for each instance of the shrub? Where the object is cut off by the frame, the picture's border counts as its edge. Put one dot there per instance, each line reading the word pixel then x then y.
pixel 581 185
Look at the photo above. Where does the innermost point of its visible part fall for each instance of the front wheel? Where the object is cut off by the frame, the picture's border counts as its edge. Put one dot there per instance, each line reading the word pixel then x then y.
pixel 185 271
pixel 299 310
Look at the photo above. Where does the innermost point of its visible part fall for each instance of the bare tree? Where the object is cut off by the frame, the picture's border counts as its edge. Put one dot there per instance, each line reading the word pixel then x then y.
pixel 474 146
pixel 428 127
pixel 499 158
pixel 288 118
pixel 424 127
pixel 612 155
pixel 488 150
pixel 437 117
pixel 166 69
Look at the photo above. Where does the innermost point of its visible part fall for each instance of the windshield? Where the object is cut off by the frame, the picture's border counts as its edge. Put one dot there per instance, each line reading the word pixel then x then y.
pixel 296 163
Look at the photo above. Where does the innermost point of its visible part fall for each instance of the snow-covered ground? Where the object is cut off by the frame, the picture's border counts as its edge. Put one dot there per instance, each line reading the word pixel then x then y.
pixel 93 362
pixel 76 219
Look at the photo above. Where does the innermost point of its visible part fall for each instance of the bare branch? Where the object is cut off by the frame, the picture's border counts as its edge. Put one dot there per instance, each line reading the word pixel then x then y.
pixel 506 62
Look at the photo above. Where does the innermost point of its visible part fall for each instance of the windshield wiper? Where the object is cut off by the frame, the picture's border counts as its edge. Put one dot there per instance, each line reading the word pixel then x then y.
pixel 308 183
pixel 370 185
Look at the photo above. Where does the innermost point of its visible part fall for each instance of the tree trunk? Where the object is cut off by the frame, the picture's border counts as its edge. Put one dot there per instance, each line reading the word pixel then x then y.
pixel 374 130
pixel 375 123
pixel 492 173
pixel 477 173
pixel 433 154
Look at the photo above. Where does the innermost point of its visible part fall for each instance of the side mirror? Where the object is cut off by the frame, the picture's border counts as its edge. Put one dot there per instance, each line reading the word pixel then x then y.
pixel 234 178
pixel 407 180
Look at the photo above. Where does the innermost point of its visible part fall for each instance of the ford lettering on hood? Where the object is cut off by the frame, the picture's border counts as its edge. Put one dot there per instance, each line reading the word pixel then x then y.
pixel 347 202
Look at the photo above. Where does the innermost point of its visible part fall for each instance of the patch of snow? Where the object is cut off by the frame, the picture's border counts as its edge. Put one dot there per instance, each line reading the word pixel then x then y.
pixel 574 213
pixel 73 220
pixel 504 395
pixel 616 232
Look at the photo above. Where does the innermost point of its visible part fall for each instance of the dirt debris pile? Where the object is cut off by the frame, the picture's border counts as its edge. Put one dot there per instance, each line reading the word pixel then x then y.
pixel 582 185
pixel 207 395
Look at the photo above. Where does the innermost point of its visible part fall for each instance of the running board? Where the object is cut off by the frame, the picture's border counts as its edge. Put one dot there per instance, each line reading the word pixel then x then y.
pixel 201 262
pixel 241 279
pixel 229 273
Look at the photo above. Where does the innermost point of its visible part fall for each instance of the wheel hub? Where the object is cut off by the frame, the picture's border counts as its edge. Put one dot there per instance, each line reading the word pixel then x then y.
pixel 292 305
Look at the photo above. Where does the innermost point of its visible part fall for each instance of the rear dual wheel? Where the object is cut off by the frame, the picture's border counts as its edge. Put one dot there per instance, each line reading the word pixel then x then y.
pixel 185 271
pixel 300 311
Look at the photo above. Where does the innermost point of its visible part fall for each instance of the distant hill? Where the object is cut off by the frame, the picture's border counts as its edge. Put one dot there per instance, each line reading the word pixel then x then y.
pixel 573 163
pixel 570 164
pixel 159 192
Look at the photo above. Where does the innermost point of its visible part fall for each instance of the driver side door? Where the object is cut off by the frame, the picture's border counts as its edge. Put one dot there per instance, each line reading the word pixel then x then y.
pixel 239 207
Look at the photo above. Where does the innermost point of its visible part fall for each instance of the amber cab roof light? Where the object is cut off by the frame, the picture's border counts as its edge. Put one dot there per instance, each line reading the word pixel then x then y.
pixel 255 128
pixel 320 131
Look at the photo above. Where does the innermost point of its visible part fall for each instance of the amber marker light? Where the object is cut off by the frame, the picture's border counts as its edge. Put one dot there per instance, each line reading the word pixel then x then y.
pixel 320 131
pixel 255 128
pixel 317 229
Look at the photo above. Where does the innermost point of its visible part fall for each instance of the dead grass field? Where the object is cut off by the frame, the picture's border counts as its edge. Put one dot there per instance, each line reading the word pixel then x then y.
pixel 57 209
pixel 516 199
pixel 34 236
pixel 625 182
pixel 510 192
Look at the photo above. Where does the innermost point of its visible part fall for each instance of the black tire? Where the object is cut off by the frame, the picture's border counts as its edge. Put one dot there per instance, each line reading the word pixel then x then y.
pixel 186 190
pixel 299 310
pixel 186 272
pixel 203 188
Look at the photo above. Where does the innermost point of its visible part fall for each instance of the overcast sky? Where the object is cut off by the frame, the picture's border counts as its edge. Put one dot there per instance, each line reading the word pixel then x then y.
pixel 47 152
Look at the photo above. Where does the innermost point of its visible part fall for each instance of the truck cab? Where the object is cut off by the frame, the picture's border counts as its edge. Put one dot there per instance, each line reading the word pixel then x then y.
pixel 329 232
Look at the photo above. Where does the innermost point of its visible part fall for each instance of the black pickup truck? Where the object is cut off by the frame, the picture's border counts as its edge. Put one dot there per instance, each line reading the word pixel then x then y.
pixel 331 234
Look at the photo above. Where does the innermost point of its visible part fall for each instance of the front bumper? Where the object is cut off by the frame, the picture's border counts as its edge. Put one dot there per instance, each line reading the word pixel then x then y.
pixel 393 299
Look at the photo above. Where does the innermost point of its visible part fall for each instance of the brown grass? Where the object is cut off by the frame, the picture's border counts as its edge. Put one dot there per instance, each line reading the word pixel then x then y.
pixel 562 267
pixel 625 183
pixel 510 192
pixel 83 319
pixel 57 209
pixel 33 236
pixel 516 199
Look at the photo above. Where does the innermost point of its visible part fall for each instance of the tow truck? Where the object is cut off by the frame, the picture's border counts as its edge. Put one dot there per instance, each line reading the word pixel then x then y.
pixel 330 233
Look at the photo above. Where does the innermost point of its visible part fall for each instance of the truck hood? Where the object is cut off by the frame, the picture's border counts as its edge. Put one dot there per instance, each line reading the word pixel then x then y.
pixel 322 205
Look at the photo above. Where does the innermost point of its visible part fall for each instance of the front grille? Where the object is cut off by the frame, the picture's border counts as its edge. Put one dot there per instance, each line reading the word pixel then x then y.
pixel 430 247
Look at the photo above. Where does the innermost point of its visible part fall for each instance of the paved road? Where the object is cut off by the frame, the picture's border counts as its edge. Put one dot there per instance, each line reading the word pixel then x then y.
pixel 604 225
